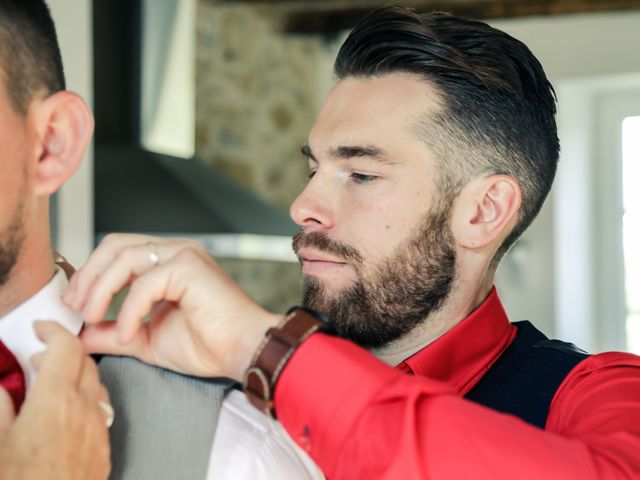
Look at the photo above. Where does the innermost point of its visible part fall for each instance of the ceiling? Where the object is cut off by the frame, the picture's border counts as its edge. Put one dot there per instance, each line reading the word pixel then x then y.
pixel 333 16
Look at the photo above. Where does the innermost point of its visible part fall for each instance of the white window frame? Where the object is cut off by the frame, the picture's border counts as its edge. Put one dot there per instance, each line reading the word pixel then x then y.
pixel 590 302
pixel 73 231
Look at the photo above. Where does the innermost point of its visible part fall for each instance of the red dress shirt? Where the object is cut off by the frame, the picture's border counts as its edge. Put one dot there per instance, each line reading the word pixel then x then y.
pixel 359 418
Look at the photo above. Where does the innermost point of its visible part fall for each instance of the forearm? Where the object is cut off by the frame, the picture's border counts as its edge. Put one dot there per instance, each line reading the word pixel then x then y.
pixel 446 437
pixel 359 418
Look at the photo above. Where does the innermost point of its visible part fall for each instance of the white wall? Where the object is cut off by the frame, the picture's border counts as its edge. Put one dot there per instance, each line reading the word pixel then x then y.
pixel 74 227
pixel 572 49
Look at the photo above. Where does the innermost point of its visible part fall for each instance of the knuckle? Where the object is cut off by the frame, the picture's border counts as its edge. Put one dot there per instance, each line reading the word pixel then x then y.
pixel 138 289
pixel 111 239
pixel 188 254
pixel 125 252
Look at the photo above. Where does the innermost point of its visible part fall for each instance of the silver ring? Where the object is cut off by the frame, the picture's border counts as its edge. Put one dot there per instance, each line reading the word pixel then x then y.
pixel 109 414
pixel 154 258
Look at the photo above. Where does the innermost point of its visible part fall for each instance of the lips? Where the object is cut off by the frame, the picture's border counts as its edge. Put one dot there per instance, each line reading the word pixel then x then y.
pixel 311 255
pixel 314 263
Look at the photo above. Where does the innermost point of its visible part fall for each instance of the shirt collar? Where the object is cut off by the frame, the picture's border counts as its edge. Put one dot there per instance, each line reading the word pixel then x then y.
pixel 463 355
pixel 16 327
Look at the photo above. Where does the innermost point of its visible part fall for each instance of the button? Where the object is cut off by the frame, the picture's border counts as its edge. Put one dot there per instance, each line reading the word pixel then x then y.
pixel 304 440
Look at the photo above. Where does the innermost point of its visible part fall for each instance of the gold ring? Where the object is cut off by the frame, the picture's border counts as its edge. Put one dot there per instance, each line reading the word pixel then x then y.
pixel 154 258
pixel 109 414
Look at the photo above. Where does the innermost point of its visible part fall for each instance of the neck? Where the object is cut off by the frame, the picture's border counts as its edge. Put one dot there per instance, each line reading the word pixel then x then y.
pixel 460 303
pixel 32 271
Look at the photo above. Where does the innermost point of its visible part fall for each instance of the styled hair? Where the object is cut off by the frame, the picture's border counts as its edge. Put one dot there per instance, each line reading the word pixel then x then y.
pixel 30 60
pixel 498 108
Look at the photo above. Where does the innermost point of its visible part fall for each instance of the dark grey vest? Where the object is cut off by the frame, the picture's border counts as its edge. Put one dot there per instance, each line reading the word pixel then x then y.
pixel 527 375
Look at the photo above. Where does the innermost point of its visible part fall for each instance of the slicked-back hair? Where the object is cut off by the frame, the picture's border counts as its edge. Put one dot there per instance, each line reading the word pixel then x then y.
pixel 30 60
pixel 498 108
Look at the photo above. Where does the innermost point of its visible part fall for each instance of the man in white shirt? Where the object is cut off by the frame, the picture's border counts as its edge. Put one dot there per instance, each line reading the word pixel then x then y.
pixel 44 131
pixel 43 134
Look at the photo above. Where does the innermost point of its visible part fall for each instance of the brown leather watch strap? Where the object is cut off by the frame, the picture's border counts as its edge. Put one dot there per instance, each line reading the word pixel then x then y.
pixel 62 262
pixel 275 351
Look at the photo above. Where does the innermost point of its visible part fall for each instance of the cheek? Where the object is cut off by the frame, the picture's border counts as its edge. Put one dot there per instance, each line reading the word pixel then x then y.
pixel 377 228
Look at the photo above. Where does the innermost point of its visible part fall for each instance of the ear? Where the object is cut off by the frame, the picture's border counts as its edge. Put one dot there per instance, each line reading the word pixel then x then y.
pixel 63 125
pixel 486 211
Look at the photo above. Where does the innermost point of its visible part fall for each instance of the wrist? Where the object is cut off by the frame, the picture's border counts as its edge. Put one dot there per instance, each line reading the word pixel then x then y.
pixel 249 340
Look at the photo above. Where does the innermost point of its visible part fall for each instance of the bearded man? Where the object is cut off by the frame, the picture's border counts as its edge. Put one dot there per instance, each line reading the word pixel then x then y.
pixel 52 404
pixel 431 155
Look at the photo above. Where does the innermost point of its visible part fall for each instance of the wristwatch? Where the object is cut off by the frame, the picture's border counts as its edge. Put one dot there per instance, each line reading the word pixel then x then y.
pixel 275 351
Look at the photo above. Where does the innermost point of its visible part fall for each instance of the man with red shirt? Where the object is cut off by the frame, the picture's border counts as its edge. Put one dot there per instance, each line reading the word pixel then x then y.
pixel 431 155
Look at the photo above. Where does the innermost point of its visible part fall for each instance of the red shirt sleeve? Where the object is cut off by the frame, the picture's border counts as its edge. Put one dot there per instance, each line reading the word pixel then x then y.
pixel 359 418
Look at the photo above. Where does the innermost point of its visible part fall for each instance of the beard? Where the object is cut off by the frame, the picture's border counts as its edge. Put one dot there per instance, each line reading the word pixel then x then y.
pixel 402 292
pixel 11 240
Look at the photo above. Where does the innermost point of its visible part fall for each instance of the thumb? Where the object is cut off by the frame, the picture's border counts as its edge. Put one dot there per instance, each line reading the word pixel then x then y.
pixel 7 415
pixel 103 338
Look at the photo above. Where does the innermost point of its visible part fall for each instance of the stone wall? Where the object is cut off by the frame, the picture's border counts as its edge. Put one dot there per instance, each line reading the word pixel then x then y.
pixel 258 92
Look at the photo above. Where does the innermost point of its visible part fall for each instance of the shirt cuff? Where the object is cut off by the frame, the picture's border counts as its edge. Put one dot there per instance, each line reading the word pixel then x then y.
pixel 322 391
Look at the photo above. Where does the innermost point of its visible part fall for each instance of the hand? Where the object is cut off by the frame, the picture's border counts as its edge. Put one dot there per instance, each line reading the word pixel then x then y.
pixel 201 322
pixel 61 431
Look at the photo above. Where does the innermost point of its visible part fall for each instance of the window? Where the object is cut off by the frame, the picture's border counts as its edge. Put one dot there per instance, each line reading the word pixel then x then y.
pixel 597 214
pixel 631 227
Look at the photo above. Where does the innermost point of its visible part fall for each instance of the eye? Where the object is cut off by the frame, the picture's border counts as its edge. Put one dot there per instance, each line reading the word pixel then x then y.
pixel 311 174
pixel 362 178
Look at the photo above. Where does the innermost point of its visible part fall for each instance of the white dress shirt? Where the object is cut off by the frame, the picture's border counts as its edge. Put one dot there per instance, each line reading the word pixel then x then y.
pixel 250 445
pixel 16 327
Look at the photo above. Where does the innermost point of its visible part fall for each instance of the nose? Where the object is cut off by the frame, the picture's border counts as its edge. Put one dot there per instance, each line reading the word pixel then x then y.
pixel 313 207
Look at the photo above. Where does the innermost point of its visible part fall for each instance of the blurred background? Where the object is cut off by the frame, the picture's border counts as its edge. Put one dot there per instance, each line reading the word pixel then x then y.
pixel 202 105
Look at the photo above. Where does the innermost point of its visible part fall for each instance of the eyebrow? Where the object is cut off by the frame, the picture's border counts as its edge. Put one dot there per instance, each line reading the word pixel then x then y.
pixel 350 151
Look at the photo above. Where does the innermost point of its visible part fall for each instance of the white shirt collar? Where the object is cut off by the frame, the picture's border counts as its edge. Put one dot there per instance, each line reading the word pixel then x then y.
pixel 16 330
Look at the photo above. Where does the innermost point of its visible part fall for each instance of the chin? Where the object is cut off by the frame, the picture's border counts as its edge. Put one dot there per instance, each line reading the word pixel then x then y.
pixel 331 287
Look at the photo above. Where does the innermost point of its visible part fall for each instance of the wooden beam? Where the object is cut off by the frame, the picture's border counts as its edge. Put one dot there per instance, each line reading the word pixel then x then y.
pixel 333 16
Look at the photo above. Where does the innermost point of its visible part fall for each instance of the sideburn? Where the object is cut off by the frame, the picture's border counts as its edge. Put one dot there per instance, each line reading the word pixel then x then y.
pixel 11 241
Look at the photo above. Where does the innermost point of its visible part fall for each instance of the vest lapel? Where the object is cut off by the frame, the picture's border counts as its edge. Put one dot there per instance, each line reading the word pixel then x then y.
pixel 165 422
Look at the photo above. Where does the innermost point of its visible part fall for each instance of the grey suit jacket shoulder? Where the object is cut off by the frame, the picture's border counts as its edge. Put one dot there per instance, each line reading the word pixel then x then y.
pixel 165 422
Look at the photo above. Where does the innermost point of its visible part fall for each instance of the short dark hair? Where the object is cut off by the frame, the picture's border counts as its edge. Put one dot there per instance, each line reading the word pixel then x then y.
pixel 30 59
pixel 498 112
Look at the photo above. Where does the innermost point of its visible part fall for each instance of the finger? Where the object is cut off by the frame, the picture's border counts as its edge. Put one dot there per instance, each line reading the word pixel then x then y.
pixel 103 338
pixel 160 283
pixel 7 414
pixel 36 360
pixel 89 382
pixel 93 391
pixel 130 262
pixel 104 402
pixel 103 255
pixel 61 362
